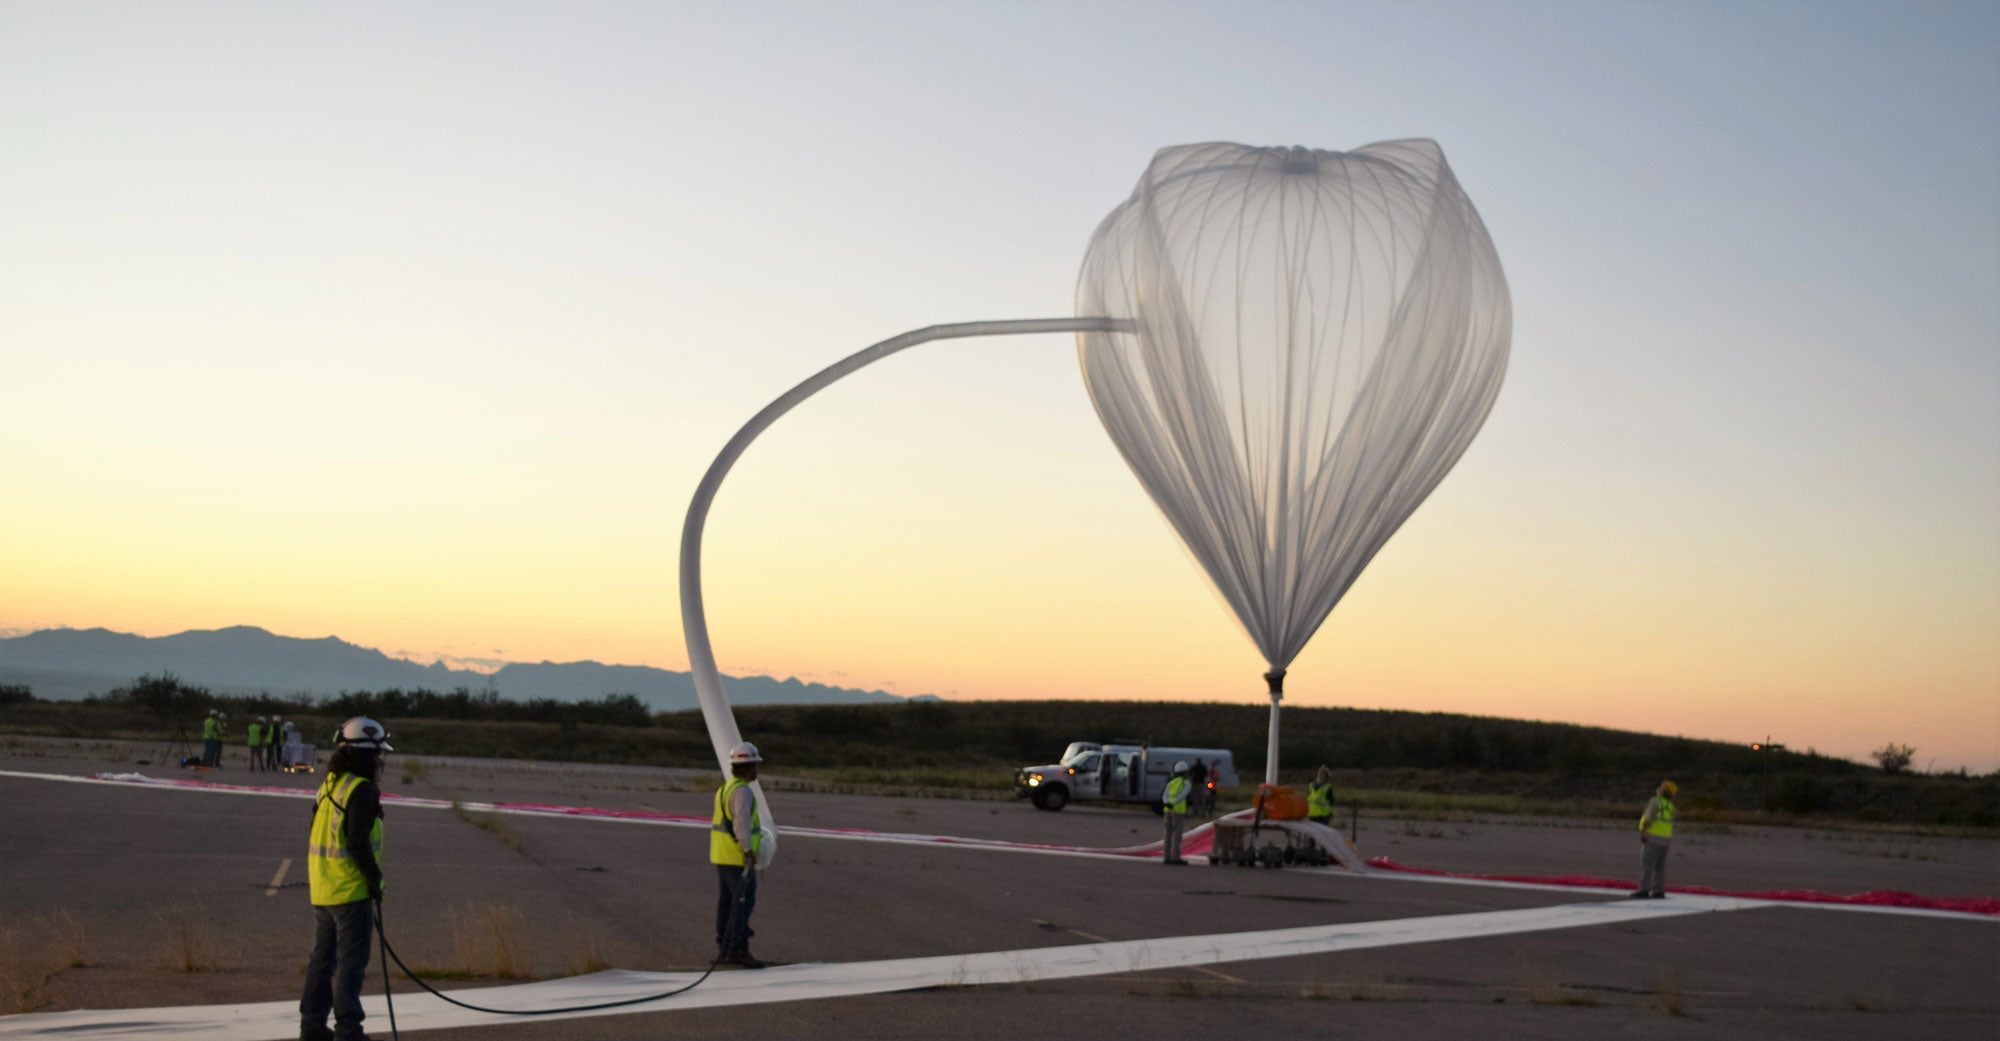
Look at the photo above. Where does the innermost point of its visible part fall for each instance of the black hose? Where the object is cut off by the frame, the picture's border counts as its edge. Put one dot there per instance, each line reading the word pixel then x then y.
pixel 383 938
pixel 736 924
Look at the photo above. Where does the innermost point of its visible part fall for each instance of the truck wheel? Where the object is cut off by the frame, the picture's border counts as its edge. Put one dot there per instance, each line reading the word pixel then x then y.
pixel 1051 798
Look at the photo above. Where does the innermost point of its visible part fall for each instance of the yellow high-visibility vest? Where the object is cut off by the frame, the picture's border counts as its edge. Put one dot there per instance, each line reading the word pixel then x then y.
pixel 722 845
pixel 210 729
pixel 1319 800
pixel 1662 824
pixel 1175 799
pixel 256 735
pixel 335 877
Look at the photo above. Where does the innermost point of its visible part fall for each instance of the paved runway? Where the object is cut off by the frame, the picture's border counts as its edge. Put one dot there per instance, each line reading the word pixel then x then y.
pixel 147 883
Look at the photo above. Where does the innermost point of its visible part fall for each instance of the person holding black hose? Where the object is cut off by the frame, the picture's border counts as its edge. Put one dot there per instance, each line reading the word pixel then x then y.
pixel 344 868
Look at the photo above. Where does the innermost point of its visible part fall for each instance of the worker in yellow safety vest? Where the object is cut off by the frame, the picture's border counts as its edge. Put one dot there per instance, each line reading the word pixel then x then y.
pixel 344 870
pixel 211 739
pixel 1319 797
pixel 1656 833
pixel 735 837
pixel 1174 804
pixel 256 743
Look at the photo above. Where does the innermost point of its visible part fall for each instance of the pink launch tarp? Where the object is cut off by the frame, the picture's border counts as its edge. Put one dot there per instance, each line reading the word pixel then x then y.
pixel 1198 842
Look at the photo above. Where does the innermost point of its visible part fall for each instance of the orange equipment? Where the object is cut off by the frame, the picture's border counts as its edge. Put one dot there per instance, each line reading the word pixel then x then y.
pixel 1278 802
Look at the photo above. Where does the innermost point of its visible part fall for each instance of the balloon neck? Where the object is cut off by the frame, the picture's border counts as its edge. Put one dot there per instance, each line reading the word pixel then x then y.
pixel 1276 678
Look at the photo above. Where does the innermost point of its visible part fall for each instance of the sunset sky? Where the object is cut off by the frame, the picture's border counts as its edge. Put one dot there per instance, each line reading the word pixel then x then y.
pixel 417 325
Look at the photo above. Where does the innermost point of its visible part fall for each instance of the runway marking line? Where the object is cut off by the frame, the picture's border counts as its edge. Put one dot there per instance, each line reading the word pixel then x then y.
pixel 277 1020
pixel 279 878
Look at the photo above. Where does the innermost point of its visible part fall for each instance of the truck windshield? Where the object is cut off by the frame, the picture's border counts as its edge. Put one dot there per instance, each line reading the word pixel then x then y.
pixel 1076 755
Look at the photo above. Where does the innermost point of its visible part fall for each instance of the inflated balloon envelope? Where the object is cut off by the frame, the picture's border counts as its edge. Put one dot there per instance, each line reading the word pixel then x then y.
pixel 1317 337
pixel 1289 347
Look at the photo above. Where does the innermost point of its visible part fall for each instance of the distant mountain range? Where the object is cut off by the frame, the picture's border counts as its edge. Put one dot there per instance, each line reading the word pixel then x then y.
pixel 69 664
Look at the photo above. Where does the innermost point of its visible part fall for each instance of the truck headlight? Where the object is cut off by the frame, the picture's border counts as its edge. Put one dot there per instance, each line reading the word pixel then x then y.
pixel 1034 779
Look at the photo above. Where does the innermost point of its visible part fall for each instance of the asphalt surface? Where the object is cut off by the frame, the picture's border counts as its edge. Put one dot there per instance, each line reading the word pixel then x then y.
pixel 166 898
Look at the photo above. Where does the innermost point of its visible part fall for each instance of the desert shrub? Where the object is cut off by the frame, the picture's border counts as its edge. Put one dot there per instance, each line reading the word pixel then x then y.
pixel 1798 794
pixel 163 695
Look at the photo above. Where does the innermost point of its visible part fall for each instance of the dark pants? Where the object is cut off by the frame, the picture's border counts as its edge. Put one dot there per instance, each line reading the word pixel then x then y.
pixel 1653 878
pixel 211 752
pixel 738 897
pixel 339 961
pixel 1176 824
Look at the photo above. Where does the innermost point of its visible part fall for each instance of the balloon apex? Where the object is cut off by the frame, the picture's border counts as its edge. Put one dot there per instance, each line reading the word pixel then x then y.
pixel 1300 160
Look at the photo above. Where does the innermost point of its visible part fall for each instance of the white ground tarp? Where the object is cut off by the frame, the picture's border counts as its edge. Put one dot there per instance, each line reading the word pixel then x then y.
pixel 277 1020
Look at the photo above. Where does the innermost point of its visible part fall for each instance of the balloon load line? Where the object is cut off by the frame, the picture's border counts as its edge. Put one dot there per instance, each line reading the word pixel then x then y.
pixel 1199 842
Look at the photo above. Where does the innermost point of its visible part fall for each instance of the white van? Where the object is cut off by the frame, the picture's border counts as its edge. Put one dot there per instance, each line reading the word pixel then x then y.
pixel 1096 772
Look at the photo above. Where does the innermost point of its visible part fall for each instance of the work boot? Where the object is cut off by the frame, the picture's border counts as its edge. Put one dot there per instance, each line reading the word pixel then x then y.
pixel 314 1032
pixel 742 956
pixel 1638 894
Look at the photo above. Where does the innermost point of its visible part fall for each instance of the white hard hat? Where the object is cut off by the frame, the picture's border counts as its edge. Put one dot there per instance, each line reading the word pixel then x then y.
pixel 213 712
pixel 260 719
pixel 1181 767
pixel 362 732
pixel 745 753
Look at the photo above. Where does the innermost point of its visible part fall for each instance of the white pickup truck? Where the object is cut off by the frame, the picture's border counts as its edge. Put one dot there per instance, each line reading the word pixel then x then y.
pixel 1095 772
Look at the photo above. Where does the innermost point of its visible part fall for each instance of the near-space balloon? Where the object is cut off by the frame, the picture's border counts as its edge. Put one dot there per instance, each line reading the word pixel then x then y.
pixel 1316 338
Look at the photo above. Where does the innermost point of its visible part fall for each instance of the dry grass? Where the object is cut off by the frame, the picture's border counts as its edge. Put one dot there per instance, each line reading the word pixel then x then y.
pixel 1370 988
pixel 69 943
pixel 24 974
pixel 488 942
pixel 1557 994
pixel 1670 993
pixel 190 946
pixel 492 824
pixel 591 958
pixel 1541 986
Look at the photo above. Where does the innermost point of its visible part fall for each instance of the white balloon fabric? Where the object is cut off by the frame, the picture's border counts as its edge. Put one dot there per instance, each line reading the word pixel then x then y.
pixel 1317 337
